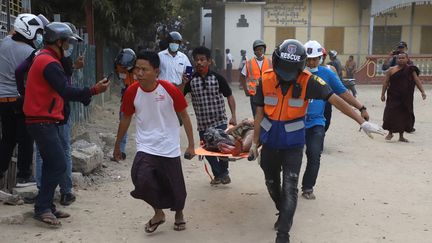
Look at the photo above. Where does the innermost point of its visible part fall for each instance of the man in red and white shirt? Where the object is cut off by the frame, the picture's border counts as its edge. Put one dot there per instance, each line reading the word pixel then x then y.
pixel 156 171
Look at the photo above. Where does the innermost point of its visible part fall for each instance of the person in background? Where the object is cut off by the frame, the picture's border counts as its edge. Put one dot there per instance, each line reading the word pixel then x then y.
pixel 14 49
pixel 229 63
pixel 123 65
pixel 392 59
pixel 399 84
pixel 335 65
pixel 173 62
pixel 251 73
pixel 350 67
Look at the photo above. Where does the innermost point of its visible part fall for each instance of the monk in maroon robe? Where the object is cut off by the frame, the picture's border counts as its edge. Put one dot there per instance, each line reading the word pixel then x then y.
pixel 400 82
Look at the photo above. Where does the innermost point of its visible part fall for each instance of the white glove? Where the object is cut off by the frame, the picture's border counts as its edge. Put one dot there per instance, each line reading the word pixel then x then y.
pixel 369 128
pixel 253 152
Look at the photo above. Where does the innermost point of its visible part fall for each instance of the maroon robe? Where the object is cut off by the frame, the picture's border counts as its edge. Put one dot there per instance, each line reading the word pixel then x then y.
pixel 399 109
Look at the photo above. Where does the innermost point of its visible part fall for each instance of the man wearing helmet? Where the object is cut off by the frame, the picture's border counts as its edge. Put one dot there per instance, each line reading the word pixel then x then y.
pixel 282 100
pixel 253 70
pixel 315 120
pixel 123 65
pixel 67 197
pixel 46 91
pixel 174 62
pixel 15 49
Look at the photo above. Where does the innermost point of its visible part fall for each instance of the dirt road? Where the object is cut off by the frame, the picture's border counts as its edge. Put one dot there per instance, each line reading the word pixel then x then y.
pixel 368 191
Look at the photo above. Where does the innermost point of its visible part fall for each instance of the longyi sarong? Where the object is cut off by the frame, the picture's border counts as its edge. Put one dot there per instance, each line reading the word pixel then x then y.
pixel 158 181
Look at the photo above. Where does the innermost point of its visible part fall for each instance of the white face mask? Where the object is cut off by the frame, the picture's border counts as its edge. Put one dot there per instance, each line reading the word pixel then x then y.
pixel 320 61
pixel 68 52
pixel 122 75
pixel 174 47
pixel 312 70
pixel 38 41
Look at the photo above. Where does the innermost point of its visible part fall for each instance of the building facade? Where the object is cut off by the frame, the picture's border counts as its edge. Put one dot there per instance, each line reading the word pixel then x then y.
pixel 351 27
pixel 15 7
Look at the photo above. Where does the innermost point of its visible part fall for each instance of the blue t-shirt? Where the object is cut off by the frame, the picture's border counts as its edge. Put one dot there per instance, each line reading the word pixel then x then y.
pixel 315 111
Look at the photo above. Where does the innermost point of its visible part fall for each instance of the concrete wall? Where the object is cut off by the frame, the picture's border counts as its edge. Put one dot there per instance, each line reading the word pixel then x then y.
pixel 238 38
pixel 343 13
pixel 206 25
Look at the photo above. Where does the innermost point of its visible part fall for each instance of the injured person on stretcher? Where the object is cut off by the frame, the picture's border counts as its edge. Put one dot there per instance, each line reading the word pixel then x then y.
pixel 235 140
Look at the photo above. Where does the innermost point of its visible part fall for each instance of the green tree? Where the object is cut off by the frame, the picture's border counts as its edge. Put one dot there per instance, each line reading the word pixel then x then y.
pixel 120 23
pixel 190 11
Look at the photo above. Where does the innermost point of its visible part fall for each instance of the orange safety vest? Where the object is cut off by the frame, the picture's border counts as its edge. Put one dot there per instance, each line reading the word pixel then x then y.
pixel 129 79
pixel 254 73
pixel 129 76
pixel 283 123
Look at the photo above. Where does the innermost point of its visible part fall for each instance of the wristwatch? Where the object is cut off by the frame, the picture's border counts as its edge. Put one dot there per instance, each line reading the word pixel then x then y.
pixel 363 108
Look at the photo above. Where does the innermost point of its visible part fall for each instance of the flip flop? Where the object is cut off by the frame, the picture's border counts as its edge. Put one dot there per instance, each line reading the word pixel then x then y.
pixel 151 227
pixel 61 215
pixel 179 226
pixel 49 219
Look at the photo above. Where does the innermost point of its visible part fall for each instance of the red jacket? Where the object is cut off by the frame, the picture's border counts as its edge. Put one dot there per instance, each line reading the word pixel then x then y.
pixel 42 102
pixel 47 87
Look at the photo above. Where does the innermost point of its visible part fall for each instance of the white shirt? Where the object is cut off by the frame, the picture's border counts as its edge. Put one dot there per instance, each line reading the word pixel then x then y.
pixel 229 58
pixel 260 63
pixel 157 126
pixel 172 67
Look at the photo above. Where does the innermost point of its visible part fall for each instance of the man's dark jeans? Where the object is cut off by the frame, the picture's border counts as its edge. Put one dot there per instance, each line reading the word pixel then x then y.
pixel 14 131
pixel 327 115
pixel 48 140
pixel 284 195
pixel 219 167
pixel 314 143
pixel 253 106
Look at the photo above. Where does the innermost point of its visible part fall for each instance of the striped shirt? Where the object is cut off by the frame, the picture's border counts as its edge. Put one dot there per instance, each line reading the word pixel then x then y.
pixel 173 67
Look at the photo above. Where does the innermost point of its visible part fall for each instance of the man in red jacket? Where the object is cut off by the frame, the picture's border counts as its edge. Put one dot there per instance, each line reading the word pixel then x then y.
pixel 46 90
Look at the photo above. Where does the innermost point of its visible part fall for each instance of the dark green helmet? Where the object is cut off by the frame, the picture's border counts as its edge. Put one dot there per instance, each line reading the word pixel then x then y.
pixel 258 43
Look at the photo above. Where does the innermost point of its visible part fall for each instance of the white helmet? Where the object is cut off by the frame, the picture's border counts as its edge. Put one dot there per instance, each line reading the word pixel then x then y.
pixel 313 49
pixel 27 25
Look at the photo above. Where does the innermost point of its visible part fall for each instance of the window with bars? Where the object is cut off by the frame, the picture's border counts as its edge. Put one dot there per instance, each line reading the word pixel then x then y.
pixel 283 33
pixel 426 37
pixel 385 39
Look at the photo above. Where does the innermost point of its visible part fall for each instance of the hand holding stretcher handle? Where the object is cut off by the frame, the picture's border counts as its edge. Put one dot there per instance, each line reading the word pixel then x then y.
pixel 253 152
pixel 188 156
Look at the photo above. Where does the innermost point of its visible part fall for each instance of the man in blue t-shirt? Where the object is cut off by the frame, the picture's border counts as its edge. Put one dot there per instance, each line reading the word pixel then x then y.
pixel 315 121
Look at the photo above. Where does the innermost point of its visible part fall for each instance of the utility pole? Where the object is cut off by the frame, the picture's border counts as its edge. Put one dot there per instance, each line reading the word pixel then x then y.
pixel 90 21
pixel 8 15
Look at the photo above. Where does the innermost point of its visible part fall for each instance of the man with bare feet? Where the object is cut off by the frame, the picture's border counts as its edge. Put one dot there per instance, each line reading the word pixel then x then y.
pixel 156 171
pixel 399 84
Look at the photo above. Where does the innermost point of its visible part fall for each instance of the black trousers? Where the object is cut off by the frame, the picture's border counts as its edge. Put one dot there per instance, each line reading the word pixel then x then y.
pixel 283 193
pixel 14 131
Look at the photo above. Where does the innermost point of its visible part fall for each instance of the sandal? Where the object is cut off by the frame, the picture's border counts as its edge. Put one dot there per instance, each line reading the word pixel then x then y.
pixel 48 219
pixel 151 227
pixel 179 226
pixel 61 215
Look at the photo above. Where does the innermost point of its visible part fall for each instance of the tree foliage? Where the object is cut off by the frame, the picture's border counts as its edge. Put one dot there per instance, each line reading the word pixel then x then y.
pixel 121 23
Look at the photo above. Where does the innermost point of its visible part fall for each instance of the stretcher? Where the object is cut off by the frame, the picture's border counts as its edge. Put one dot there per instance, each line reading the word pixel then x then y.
pixel 202 152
